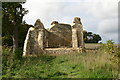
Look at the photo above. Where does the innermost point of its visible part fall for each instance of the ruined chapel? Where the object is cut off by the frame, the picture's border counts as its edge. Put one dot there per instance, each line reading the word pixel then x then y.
pixel 68 38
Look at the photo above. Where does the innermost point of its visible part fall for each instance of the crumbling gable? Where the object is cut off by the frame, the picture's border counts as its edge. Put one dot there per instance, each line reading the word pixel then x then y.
pixel 60 35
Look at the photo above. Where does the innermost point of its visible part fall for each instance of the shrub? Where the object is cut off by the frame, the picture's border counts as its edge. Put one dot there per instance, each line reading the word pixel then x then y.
pixel 111 49
pixel 10 61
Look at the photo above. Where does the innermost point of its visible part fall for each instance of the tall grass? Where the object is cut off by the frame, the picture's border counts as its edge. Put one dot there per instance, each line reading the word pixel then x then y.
pixel 93 64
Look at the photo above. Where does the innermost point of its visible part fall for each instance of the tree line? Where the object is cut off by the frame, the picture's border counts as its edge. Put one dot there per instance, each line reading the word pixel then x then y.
pixel 90 37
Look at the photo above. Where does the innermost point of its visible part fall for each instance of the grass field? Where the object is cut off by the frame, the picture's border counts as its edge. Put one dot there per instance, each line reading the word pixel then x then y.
pixel 93 64
pixel 92 45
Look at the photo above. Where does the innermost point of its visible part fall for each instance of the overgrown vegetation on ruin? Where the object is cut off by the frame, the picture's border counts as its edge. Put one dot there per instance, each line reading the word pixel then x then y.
pixel 100 64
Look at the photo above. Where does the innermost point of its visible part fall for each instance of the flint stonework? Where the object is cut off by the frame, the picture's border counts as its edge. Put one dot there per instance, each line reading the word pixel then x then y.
pixel 34 39
pixel 77 33
pixel 69 38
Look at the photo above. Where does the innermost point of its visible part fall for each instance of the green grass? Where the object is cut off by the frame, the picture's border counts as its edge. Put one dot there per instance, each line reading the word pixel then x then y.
pixel 77 65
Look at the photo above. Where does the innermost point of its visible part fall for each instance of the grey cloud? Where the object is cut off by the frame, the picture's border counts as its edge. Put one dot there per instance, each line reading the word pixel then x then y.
pixel 110 36
pixel 97 15
pixel 108 26
pixel 108 29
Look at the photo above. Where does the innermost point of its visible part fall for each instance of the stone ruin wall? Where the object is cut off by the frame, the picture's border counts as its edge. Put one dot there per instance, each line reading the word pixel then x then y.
pixel 60 36
pixel 69 38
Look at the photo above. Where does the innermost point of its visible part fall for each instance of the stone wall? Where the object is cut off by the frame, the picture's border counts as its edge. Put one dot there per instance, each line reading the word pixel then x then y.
pixel 60 36
pixel 77 33
pixel 69 38
pixel 62 50
pixel 34 42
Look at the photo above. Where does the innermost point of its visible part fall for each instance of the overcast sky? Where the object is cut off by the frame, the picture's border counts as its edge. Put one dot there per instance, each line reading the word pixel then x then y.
pixel 98 16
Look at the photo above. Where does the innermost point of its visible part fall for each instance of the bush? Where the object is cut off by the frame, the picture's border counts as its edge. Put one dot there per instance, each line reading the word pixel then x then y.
pixel 111 49
pixel 10 61
pixel 18 54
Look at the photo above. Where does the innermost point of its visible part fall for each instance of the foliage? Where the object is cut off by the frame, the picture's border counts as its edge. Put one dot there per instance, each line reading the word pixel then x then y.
pixel 89 37
pixel 77 65
pixel 7 40
pixel 12 15
pixel 10 60
pixel 22 31
pixel 13 12
pixel 112 50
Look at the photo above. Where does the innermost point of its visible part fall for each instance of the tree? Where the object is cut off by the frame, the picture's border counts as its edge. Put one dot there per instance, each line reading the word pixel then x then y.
pixel 96 38
pixel 89 37
pixel 12 15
